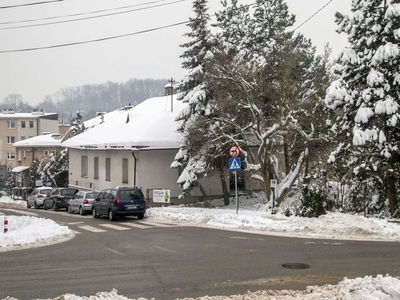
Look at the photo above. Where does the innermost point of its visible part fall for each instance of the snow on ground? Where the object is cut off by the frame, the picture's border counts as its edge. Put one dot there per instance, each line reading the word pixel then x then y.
pixel 252 215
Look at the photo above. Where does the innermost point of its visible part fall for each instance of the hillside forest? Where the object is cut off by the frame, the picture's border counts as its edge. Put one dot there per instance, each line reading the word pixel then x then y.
pixel 89 99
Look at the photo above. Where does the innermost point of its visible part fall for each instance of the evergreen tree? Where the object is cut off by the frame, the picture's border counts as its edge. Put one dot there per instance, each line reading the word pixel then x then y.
pixel 10 183
pixel 77 125
pixel 366 96
pixel 34 174
pixel 61 169
pixel 197 152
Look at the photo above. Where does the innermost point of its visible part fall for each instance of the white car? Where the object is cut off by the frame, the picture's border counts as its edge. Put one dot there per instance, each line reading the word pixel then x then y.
pixel 37 197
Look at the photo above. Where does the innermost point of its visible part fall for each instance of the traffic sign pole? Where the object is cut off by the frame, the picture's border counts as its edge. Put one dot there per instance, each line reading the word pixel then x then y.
pixel 236 189
pixel 234 166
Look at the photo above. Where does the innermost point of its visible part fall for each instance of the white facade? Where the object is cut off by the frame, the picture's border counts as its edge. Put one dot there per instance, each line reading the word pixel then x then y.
pixel 147 169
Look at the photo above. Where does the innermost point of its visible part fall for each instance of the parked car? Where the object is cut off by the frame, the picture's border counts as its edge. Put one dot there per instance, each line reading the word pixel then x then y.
pixel 59 198
pixel 82 202
pixel 119 201
pixel 37 196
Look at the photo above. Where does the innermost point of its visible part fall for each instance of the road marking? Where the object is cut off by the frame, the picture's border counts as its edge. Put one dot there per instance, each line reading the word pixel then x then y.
pixel 76 232
pixel 239 237
pixel 156 224
pixel 92 229
pixel 136 225
pixel 165 249
pixel 116 227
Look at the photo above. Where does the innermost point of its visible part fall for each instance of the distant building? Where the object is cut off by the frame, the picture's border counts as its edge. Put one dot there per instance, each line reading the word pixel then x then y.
pixel 16 127
pixel 36 147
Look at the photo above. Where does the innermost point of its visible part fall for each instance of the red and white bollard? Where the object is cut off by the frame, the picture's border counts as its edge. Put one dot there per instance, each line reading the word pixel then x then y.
pixel 5 225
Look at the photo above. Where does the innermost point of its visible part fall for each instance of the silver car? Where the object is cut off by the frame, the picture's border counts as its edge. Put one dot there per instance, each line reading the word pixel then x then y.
pixel 82 202
pixel 37 197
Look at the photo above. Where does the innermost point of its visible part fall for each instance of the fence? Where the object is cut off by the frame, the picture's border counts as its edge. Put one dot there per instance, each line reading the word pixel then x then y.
pixel 20 193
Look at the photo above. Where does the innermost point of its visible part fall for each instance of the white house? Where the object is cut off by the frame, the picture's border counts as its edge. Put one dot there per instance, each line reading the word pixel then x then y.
pixel 133 146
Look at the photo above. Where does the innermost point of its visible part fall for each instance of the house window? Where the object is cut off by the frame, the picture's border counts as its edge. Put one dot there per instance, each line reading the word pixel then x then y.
pixel 10 124
pixel 46 152
pixel 10 155
pixel 30 124
pixel 10 139
pixel 124 170
pixel 108 169
pixel 23 138
pixel 23 125
pixel 84 166
pixel 96 168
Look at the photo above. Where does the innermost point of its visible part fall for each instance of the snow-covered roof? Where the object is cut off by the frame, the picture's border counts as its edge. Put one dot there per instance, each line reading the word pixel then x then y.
pixel 19 169
pixel 8 114
pixel 46 140
pixel 150 124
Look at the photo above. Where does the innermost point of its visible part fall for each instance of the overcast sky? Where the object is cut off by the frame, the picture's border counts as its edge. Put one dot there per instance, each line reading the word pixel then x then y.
pixel 150 54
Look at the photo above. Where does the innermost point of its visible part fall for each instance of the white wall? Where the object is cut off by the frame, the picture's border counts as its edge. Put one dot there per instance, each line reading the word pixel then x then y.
pixel 152 171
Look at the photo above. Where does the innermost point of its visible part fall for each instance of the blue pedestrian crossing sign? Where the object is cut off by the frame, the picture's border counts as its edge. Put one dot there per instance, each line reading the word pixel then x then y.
pixel 234 164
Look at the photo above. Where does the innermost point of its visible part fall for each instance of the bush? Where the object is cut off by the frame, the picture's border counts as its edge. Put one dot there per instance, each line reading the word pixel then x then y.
pixel 312 203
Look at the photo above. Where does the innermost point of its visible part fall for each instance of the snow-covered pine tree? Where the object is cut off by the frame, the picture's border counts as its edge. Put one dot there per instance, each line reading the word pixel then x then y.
pixel 10 182
pixel 77 125
pixel 366 96
pixel 34 173
pixel 198 154
pixel 61 168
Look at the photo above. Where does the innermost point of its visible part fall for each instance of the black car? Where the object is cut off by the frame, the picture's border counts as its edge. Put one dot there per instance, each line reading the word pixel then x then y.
pixel 59 198
pixel 120 201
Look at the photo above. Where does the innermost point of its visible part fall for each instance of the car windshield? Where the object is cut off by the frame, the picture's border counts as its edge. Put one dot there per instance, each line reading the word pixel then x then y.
pixel 45 192
pixel 91 195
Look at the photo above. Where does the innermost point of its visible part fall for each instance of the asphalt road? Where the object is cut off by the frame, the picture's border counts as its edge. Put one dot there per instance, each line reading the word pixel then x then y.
pixel 141 258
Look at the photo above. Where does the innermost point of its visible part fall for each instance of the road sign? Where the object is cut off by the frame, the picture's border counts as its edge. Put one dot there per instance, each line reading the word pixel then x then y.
pixel 234 151
pixel 234 164
pixel 273 183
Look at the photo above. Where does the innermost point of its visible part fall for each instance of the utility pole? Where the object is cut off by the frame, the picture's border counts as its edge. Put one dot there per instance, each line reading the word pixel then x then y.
pixel 172 81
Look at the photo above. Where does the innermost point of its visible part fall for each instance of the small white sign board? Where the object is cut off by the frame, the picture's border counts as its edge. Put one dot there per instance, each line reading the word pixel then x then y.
pixel 273 183
pixel 162 196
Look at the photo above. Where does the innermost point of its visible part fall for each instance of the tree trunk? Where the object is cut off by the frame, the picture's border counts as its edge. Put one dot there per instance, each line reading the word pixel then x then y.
pixel 224 185
pixel 286 155
pixel 391 188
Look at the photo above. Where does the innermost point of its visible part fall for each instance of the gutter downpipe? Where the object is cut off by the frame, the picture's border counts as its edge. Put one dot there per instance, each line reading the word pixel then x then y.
pixel 134 169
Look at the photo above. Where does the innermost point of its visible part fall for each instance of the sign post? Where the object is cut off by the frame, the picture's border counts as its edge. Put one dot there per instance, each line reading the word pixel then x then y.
pixel 273 187
pixel 234 166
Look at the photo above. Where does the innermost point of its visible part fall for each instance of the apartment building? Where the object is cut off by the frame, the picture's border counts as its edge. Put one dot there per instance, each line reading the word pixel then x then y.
pixel 16 127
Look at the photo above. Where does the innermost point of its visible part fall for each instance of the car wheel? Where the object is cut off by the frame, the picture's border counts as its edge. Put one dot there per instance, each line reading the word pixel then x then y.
pixel 141 216
pixel 94 213
pixel 111 216
pixel 55 206
pixel 69 209
pixel 44 206
pixel 81 211
pixel 35 205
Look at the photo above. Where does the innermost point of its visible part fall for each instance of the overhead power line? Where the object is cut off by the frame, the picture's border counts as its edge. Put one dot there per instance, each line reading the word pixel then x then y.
pixel 131 34
pixel 93 17
pixel 313 15
pixel 29 4
pixel 78 14
pixel 95 40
